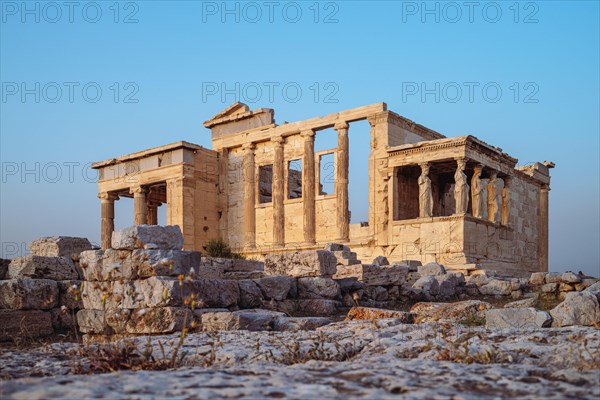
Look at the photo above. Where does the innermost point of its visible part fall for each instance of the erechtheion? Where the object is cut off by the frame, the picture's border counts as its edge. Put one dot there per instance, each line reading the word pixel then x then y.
pixel 457 201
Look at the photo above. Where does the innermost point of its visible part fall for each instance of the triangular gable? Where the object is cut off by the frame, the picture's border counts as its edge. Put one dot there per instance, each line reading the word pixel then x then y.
pixel 234 109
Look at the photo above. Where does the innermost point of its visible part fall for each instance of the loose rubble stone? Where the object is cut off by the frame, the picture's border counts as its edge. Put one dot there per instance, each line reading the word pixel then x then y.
pixel 578 308
pixel 277 287
pixel 250 294
pixel 431 269
pixel 147 263
pixel 315 288
pixel 59 246
pixel 549 287
pixel 553 277
pixel 107 265
pixel 55 268
pixel 566 287
pixel 448 283
pixel 380 261
pixel 428 284
pixel 497 287
pixel 294 324
pixel 479 279
pixel 570 277
pixel 140 321
pixel 144 236
pixel 249 320
pixel 301 264
pixel 24 324
pixel 373 275
pixel 28 294
pixel 520 318
pixel 234 265
pixel 377 293
pixel 537 278
pixel 470 310
pixel 318 307
pixel 366 313
pixel 585 283
pixel 529 302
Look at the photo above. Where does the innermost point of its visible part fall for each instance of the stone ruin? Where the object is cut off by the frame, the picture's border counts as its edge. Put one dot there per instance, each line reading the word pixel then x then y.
pixel 146 285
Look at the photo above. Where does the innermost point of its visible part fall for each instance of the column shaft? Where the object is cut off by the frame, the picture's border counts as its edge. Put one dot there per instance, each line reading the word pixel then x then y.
pixel 107 206
pixel 278 195
pixel 308 187
pixel 140 208
pixel 249 196
pixel 341 183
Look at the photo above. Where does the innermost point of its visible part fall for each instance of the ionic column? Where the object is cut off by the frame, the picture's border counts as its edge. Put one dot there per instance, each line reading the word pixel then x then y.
pixel 308 186
pixel 278 195
pixel 506 201
pixel 107 207
pixel 543 229
pixel 341 183
pixel 153 212
pixel 140 208
pixel 249 196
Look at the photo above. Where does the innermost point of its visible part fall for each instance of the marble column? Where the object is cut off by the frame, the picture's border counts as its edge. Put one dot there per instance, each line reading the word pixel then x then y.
pixel 341 183
pixel 506 201
pixel 278 194
pixel 140 208
pixel 543 229
pixel 107 206
pixel 425 194
pixel 308 187
pixel 461 188
pixel 153 212
pixel 249 196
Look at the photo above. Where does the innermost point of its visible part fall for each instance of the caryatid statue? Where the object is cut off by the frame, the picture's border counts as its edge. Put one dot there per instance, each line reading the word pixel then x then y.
pixel 494 189
pixel 461 188
pixel 479 200
pixel 506 201
pixel 425 195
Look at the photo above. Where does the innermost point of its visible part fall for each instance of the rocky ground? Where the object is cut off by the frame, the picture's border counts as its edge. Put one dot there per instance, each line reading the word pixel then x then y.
pixel 349 359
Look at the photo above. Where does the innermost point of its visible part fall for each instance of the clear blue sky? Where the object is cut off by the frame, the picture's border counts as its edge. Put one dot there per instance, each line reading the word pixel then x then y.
pixel 543 56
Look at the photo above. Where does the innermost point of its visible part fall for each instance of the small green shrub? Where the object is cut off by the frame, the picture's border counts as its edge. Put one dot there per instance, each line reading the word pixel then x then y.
pixel 220 249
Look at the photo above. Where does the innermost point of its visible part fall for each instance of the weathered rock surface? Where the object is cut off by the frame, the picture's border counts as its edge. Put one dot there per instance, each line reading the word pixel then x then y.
pixel 537 278
pixel 380 261
pixel 519 318
pixel 366 313
pixel 301 264
pixel 315 288
pixel 317 307
pixel 249 320
pixel 277 287
pixel 23 325
pixel 41 267
pixel 250 294
pixel 148 236
pixel 28 294
pixel 373 275
pixel 69 294
pixel 4 263
pixel 448 283
pixel 528 302
pixel 428 284
pixel 147 263
pixel 471 312
pixel 106 265
pixel 59 246
pixel 570 277
pixel 497 287
pixel 141 321
pixel 431 269
pixel 387 361
pixel 578 308
pixel 293 324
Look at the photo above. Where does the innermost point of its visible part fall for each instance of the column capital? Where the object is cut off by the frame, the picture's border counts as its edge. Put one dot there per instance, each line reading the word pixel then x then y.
pixel 278 140
pixel 138 189
pixel 108 196
pixel 341 126
pixel 247 147
pixel 461 162
pixel 307 134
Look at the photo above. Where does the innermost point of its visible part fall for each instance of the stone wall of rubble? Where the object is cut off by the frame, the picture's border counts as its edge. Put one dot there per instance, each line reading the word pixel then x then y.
pixel 39 293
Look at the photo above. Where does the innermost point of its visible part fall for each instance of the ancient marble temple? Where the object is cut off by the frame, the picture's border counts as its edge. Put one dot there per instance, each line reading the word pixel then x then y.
pixel 457 201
